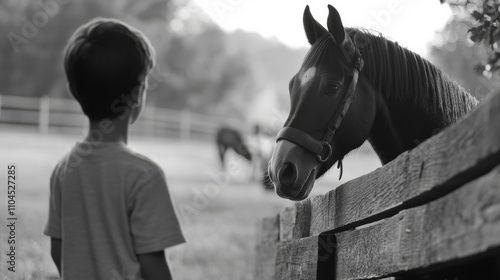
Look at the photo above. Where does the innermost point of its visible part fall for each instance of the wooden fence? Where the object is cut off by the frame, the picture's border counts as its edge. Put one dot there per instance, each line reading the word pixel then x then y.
pixel 432 213
pixel 47 114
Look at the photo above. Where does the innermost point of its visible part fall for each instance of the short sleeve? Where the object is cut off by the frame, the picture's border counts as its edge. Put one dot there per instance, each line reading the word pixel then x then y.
pixel 153 221
pixel 53 227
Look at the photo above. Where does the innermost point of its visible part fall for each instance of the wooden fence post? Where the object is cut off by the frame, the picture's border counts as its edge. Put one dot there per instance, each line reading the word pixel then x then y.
pixel 185 124
pixel 43 117
pixel 267 242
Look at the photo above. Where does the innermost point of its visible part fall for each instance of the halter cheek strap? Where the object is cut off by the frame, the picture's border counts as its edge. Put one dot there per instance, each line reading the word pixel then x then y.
pixel 322 149
pixel 312 144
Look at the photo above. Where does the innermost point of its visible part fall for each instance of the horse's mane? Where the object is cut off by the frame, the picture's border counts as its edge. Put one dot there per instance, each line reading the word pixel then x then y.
pixel 402 76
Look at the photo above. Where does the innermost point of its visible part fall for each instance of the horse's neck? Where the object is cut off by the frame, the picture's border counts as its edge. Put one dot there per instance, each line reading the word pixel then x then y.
pixel 399 127
pixel 413 106
pixel 384 137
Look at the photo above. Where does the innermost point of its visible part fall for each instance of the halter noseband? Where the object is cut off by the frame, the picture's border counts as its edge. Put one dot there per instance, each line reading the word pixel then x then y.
pixel 310 143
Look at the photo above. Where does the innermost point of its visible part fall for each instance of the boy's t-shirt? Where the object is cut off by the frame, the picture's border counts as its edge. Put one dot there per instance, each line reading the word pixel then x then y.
pixel 109 204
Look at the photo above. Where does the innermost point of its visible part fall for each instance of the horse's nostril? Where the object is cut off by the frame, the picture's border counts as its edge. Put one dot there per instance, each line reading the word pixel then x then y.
pixel 287 175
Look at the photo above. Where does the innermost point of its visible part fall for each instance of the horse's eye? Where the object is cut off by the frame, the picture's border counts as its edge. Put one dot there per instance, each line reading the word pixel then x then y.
pixel 333 88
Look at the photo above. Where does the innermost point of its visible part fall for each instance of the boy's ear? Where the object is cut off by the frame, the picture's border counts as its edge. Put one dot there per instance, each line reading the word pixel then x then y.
pixel 335 26
pixel 137 93
pixel 313 29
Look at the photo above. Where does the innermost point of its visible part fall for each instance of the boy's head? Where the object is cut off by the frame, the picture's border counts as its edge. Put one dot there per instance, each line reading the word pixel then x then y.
pixel 106 64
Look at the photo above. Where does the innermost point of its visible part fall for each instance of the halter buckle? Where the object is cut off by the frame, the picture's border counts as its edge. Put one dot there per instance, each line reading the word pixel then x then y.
pixel 330 152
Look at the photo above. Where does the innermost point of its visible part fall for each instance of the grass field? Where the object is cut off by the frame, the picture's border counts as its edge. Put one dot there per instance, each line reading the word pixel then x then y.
pixel 218 211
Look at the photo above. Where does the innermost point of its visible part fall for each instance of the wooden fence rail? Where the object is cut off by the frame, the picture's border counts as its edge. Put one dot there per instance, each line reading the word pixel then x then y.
pixel 430 209
pixel 47 113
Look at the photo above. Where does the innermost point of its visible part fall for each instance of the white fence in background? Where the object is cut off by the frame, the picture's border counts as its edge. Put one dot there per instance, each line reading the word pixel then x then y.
pixel 47 114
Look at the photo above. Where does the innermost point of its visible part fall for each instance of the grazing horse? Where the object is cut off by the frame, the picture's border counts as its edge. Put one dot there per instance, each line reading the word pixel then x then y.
pixel 230 138
pixel 355 86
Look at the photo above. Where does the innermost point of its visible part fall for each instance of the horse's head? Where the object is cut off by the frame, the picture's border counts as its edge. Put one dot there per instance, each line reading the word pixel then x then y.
pixel 326 119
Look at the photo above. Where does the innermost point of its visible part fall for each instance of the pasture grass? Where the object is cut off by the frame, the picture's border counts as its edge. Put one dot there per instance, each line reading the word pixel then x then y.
pixel 218 211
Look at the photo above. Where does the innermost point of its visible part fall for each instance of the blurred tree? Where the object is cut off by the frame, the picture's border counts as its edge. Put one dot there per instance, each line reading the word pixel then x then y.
pixel 199 67
pixel 485 15
pixel 452 52
pixel 36 32
pixel 36 36
pixel 8 14
pixel 202 74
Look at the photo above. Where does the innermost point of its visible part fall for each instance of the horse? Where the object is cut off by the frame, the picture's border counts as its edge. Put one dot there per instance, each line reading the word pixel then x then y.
pixel 229 138
pixel 355 85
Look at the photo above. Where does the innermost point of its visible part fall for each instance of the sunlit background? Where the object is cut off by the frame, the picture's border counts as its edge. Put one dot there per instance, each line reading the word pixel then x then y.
pixel 219 63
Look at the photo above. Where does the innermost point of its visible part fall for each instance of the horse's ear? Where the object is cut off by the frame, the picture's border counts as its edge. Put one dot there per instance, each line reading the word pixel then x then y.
pixel 313 29
pixel 335 26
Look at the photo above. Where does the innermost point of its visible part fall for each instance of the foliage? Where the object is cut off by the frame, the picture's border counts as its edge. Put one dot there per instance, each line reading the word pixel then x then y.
pixel 454 53
pixel 199 67
pixel 485 15
pixel 34 34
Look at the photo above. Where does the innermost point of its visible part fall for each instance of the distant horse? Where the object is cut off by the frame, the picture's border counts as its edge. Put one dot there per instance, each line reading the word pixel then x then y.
pixel 355 86
pixel 230 138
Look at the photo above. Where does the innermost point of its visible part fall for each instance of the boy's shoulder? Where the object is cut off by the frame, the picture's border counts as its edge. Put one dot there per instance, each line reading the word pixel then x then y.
pixel 120 156
pixel 143 162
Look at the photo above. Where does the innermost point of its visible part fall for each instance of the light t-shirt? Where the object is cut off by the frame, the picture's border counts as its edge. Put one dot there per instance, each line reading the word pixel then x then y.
pixel 109 204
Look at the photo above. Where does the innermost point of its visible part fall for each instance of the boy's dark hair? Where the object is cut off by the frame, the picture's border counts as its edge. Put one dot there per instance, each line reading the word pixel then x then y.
pixel 105 60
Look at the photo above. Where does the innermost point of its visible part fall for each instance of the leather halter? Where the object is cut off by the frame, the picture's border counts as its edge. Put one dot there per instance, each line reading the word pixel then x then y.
pixel 318 147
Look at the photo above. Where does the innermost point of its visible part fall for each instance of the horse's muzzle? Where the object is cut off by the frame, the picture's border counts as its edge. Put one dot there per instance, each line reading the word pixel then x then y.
pixel 292 170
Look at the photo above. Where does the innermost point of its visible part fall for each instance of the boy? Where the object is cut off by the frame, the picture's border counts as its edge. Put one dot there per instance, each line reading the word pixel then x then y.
pixel 110 213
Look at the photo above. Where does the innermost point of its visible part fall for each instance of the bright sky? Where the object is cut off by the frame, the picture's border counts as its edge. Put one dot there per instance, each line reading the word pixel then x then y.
pixel 410 22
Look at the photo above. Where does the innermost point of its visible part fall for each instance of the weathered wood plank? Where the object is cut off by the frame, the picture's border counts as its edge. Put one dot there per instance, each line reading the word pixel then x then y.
pixel 322 211
pixel 463 224
pixel 306 258
pixel 295 221
pixel 267 242
pixel 297 259
pixel 451 158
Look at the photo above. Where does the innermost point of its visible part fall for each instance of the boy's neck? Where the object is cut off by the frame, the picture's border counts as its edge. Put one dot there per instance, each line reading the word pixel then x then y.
pixel 115 130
